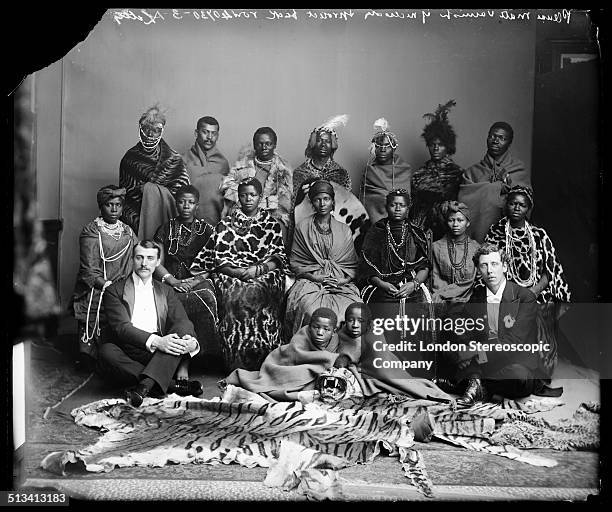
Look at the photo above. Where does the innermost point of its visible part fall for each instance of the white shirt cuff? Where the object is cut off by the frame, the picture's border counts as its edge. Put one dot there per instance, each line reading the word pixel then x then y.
pixel 195 351
pixel 150 342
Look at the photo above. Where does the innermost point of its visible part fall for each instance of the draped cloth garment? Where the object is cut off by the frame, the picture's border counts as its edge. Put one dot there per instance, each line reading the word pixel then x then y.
pixel 206 171
pixel 95 244
pixel 288 369
pixel 378 180
pixel 181 245
pixel 249 311
pixel 484 187
pixel 163 167
pixel 451 284
pixel 331 255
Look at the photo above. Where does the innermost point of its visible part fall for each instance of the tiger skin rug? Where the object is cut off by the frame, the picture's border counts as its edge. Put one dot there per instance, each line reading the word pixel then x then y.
pixel 304 443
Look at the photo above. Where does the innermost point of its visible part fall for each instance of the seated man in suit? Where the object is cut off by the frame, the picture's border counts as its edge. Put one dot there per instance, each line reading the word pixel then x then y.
pixel 502 357
pixel 151 338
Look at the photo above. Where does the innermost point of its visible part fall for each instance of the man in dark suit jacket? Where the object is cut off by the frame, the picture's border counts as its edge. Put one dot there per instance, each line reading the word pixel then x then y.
pixel 151 336
pixel 509 320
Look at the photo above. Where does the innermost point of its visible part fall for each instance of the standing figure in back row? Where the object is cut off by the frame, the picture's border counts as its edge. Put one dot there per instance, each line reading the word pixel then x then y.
pixel 439 179
pixel 271 170
pixel 151 172
pixel 384 172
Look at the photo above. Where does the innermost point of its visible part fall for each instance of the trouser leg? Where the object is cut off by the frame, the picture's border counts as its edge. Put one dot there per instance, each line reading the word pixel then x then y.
pixel 161 368
pixel 512 381
pixel 116 366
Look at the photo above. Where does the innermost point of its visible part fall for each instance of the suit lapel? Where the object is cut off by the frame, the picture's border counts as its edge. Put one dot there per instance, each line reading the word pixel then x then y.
pixel 508 309
pixel 161 306
pixel 129 294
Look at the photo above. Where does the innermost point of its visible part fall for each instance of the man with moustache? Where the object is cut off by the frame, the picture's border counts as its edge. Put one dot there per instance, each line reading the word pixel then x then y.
pixel 509 311
pixel 152 338
pixel 206 167
pixel 486 182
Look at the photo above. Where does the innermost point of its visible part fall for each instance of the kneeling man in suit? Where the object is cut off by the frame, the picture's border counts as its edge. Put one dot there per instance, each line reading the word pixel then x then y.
pixel 151 337
pixel 508 312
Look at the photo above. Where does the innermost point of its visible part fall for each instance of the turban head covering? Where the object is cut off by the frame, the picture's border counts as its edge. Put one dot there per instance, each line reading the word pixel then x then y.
pixel 381 127
pixel 328 126
pixel 108 192
pixel 450 207
pixel 520 189
pixel 319 187
pixel 325 313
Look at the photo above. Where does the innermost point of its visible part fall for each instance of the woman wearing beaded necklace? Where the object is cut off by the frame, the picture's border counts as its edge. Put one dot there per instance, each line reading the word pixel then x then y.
pixel 393 266
pixel 533 264
pixel 453 269
pixel 270 169
pixel 182 238
pixel 324 261
pixel 106 246
pixel 249 258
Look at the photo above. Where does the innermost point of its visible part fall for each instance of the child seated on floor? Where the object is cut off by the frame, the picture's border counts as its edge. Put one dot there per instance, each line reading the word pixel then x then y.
pixel 376 371
pixel 295 367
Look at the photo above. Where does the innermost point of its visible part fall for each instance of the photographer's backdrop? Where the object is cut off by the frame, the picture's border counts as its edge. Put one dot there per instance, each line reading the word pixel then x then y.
pixel 287 74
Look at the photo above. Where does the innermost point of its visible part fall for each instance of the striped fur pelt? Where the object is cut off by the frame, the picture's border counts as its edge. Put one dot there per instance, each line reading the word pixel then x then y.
pixel 301 443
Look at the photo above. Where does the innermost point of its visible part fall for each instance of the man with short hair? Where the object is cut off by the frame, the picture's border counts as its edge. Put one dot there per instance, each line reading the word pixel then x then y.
pixel 485 182
pixel 206 167
pixel 151 339
pixel 509 313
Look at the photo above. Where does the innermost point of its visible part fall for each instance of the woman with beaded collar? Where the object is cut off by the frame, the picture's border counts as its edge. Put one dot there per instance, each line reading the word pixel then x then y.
pixel 533 264
pixel 393 267
pixel 182 238
pixel 385 171
pixel 271 170
pixel 453 269
pixel 249 265
pixel 106 246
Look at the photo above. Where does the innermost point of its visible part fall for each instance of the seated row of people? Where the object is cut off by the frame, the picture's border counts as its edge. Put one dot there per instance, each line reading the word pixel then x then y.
pixel 245 258
pixel 151 172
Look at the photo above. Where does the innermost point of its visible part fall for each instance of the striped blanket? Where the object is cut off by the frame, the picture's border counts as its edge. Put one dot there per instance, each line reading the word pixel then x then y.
pixel 302 444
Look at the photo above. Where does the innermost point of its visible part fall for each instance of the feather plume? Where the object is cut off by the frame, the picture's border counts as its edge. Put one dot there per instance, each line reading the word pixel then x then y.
pixel 333 122
pixel 381 125
pixel 441 113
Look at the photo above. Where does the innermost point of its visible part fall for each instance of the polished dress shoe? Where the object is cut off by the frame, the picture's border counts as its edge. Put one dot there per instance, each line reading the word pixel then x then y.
pixel 186 387
pixel 447 385
pixel 134 396
pixel 474 392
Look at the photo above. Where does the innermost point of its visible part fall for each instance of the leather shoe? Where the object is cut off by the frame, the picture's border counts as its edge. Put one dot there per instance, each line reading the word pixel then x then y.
pixel 474 392
pixel 134 396
pixel 185 387
pixel 447 385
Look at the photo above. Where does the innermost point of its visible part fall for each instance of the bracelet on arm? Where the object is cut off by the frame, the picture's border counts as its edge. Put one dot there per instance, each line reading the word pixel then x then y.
pixel 416 284
pixel 165 276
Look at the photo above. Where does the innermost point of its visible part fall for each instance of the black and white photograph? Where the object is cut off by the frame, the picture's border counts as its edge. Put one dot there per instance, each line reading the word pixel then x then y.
pixel 292 255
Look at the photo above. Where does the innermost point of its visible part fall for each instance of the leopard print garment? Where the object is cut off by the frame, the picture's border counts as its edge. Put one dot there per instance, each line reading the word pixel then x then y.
pixel 250 312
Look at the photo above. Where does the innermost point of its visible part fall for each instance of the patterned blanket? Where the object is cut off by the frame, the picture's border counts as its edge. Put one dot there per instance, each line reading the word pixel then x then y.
pixel 303 444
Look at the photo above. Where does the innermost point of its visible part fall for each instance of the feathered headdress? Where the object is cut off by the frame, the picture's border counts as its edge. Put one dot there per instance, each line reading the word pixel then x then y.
pixel 332 123
pixel 381 127
pixel 438 127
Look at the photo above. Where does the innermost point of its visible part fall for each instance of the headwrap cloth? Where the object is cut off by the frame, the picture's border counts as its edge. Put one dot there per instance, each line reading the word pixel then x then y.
pixel 319 187
pixel 382 128
pixel 108 192
pixel 450 207
pixel 520 189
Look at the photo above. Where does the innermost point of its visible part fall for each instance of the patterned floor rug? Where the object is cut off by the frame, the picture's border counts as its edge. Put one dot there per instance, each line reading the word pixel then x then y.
pixel 304 444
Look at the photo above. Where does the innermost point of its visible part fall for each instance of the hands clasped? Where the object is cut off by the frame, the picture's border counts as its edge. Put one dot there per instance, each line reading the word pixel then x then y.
pixel 175 345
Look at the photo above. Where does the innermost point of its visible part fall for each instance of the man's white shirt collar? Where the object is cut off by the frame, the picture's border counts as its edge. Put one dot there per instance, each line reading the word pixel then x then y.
pixel 495 298
pixel 139 283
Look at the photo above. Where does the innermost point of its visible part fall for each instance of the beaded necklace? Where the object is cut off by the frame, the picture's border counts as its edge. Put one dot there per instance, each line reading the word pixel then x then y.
pixel 178 231
pixel 396 246
pixel 513 246
pixel 457 268
pixel 113 230
pixel 320 229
